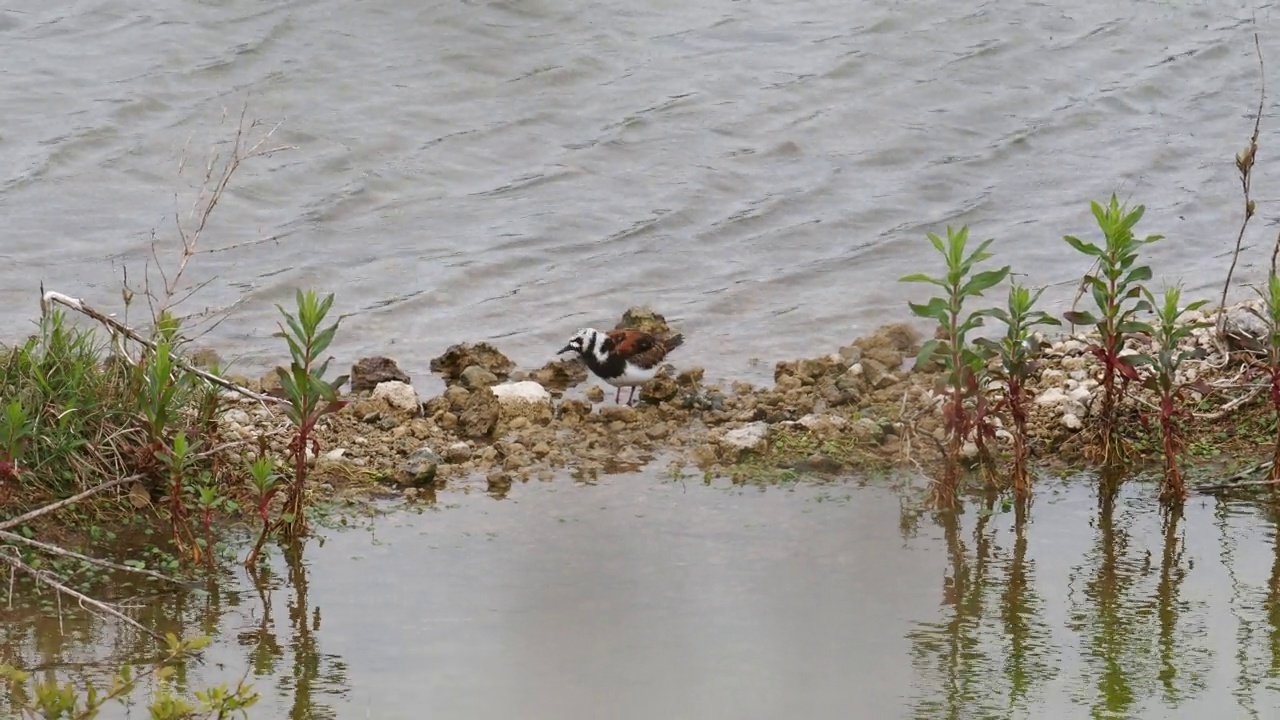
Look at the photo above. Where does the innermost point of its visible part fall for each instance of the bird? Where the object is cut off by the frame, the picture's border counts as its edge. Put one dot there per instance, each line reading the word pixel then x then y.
pixel 625 357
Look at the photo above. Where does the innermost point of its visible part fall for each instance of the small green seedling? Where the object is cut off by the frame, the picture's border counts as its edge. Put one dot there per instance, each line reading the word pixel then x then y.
pixel 1017 351
pixel 1117 292
pixel 1270 315
pixel 962 363
pixel 310 396
pixel 1164 360
pixel 265 483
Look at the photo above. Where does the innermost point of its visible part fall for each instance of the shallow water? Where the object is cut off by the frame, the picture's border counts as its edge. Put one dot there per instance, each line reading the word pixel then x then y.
pixel 761 171
pixel 638 598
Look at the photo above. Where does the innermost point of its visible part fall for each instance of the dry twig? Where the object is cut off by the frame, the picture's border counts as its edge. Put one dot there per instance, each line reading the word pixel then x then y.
pixel 1244 165
pixel 49 298
pixel 28 517
pixel 47 579
pixel 63 552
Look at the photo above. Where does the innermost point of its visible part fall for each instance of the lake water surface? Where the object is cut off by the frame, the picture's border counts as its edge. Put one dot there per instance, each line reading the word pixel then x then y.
pixel 643 597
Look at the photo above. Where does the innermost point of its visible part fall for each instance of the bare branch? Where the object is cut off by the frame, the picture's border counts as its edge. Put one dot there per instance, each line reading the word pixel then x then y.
pixel 48 579
pixel 1244 165
pixel 28 517
pixel 79 306
pixel 55 550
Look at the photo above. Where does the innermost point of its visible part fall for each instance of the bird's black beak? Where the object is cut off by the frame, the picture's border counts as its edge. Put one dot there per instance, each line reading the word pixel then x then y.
pixel 565 349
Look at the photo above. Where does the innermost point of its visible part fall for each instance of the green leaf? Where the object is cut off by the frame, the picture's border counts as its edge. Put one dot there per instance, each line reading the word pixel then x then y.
pixel 1136 360
pixel 921 277
pixel 1087 248
pixel 1142 273
pixel 927 351
pixel 1134 326
pixel 1079 317
pixel 937 243
pixel 935 309
pixel 984 281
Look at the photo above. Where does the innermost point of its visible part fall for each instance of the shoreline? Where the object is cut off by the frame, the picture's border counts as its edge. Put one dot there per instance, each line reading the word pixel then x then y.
pixel 861 409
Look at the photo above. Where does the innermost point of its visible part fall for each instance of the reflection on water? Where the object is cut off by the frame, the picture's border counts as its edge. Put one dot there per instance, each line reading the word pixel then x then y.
pixel 641 598
pixel 990 650
pixel 305 676
pixel 280 650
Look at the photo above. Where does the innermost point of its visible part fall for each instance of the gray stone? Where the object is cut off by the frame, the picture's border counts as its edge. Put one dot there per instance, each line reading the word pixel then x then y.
pixel 475 376
pixel 748 438
pixel 419 469
pixel 368 372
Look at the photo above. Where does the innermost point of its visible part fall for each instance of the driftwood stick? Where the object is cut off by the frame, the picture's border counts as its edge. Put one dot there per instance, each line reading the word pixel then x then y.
pixel 48 299
pixel 1238 481
pixel 45 578
pixel 55 550
pixel 15 522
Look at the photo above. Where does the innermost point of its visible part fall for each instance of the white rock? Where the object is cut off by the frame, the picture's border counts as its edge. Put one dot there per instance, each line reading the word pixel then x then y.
pixel 457 452
pixel 398 395
pixel 1126 352
pixel 1190 317
pixel 523 391
pixel 335 454
pixel 1072 347
pixel 237 416
pixel 969 450
pixel 1071 421
pixel 1072 364
pixel 1052 396
pixel 1072 407
pixel 814 422
pixel 1004 436
pixel 1052 376
pixel 1080 375
pixel 747 437
pixel 1079 394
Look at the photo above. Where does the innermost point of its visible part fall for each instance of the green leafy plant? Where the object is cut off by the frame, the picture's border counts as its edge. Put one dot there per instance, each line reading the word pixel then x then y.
pixel 1017 351
pixel 1164 360
pixel 65 701
pixel 178 461
pixel 16 426
pixel 310 396
pixel 962 363
pixel 159 391
pixel 265 483
pixel 1117 292
pixel 1270 316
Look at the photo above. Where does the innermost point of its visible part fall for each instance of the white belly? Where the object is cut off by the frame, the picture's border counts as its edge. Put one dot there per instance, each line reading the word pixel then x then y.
pixel 633 376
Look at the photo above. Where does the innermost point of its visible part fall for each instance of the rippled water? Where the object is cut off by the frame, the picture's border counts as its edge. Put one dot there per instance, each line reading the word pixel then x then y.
pixel 643 598
pixel 759 170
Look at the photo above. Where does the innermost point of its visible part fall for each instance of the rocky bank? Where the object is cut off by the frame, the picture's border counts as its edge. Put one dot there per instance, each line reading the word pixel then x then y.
pixel 864 407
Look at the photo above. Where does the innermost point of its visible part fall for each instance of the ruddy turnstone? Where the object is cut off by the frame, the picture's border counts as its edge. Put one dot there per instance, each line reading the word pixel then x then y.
pixel 622 358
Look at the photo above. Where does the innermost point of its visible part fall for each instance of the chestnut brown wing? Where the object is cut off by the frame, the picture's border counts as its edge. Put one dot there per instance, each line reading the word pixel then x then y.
pixel 641 348
pixel 629 343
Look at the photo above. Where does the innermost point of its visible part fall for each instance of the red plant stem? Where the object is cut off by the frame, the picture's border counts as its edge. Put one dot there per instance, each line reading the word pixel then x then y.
pixel 1021 488
pixel 1275 401
pixel 1174 489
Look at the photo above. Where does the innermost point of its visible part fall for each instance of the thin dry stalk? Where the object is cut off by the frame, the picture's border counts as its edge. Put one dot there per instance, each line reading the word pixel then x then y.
pixel 1275 250
pixel 1244 165
pixel 191 225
